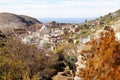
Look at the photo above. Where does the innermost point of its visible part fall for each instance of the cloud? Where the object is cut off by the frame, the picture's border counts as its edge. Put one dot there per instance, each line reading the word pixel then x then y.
pixel 60 8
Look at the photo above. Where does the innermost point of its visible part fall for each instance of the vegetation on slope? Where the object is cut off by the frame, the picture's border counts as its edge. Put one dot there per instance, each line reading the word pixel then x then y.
pixel 110 18
pixel 103 59
pixel 26 62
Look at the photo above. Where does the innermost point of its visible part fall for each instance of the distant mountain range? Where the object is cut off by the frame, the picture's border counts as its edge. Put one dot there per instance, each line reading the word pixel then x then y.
pixel 65 20
pixel 9 21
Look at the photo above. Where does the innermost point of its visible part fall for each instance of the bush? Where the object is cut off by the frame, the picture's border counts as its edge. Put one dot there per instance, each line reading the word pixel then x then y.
pixel 70 40
pixel 102 59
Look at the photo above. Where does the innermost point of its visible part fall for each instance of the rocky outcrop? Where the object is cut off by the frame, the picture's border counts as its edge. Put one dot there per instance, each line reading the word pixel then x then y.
pixel 101 61
pixel 9 21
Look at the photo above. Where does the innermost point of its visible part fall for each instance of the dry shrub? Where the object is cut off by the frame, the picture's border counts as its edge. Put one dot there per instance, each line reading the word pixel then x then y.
pixel 103 59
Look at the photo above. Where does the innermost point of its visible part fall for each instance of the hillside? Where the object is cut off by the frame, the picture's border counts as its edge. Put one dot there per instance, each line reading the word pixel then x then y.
pixel 102 60
pixel 110 18
pixel 9 21
pixel 51 50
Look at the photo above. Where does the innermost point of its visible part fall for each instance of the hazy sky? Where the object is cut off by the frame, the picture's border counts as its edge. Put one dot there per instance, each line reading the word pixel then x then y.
pixel 60 8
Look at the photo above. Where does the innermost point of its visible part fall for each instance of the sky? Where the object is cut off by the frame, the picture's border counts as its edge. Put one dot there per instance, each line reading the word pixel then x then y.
pixel 60 8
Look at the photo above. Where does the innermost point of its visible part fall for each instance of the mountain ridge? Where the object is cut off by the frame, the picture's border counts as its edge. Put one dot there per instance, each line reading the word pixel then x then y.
pixel 10 21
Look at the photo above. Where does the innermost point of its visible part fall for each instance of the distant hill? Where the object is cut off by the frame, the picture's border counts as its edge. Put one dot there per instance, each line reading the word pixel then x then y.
pixel 110 18
pixel 9 21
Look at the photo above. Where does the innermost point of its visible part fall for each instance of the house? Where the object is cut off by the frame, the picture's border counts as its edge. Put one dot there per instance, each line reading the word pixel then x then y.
pixel 10 34
pixel 44 30
pixel 34 28
pixel 74 28
pixel 20 32
pixel 56 32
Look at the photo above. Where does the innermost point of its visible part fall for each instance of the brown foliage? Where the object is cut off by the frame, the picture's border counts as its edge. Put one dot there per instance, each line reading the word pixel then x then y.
pixel 19 60
pixel 103 59
pixel 26 62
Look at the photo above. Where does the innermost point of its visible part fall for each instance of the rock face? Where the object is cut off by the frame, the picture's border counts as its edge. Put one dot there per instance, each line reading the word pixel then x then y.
pixel 9 21
pixel 102 60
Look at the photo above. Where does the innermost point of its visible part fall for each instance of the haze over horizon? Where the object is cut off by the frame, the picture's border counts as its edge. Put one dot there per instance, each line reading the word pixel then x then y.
pixel 60 8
